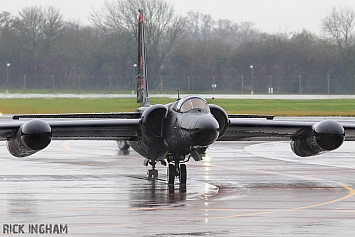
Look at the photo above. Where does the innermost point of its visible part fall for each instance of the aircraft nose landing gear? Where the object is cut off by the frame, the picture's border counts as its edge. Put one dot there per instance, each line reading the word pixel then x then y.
pixel 177 170
pixel 183 174
pixel 153 173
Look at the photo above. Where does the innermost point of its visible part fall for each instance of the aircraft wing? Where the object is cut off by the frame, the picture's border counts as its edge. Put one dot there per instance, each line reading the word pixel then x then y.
pixel 105 129
pixel 260 129
pixel 108 129
pixel 129 115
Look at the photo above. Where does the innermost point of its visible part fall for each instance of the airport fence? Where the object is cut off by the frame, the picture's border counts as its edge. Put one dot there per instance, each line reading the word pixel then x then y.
pixel 299 84
pixel 268 84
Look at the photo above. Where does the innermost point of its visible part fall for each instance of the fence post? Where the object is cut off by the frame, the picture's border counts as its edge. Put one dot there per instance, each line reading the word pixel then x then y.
pixel 271 90
pixel 110 79
pixel 24 83
pixel 52 82
pixel 242 84
pixel 78 83
pixel 188 83
pixel 299 84
pixel 214 85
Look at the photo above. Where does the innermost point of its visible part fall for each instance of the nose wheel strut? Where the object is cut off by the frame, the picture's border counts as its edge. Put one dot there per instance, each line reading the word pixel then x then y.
pixel 177 170
pixel 152 173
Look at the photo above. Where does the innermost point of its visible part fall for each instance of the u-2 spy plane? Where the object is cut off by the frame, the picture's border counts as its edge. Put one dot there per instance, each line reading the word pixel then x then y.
pixel 171 133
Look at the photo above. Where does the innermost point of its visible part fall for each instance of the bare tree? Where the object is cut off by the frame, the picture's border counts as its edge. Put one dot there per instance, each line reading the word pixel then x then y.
pixel 29 26
pixel 203 27
pixel 52 25
pixel 193 25
pixel 163 28
pixel 5 20
pixel 200 26
pixel 339 28
pixel 227 30
pixel 246 31
pixel 38 27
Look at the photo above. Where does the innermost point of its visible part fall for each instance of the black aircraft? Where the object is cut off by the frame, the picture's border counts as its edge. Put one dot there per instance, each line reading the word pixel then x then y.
pixel 170 134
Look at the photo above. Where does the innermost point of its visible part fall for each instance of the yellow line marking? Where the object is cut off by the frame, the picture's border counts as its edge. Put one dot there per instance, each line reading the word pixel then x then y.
pixel 351 193
pixel 349 189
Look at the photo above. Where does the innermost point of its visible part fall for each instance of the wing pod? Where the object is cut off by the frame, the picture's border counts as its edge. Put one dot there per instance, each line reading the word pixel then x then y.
pixel 324 136
pixel 222 118
pixel 30 138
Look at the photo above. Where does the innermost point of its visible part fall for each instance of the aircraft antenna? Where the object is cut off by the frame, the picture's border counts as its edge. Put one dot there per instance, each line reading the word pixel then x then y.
pixel 178 91
pixel 210 100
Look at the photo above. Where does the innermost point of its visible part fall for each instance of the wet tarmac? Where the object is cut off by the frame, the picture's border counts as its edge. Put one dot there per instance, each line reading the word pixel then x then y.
pixel 240 189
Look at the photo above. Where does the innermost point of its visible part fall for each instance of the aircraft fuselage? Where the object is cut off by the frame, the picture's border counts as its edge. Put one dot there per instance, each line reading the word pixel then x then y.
pixel 178 128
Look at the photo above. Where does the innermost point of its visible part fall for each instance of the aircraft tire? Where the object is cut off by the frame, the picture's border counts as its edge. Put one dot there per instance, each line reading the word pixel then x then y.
pixel 171 174
pixel 155 173
pixel 183 174
pixel 123 145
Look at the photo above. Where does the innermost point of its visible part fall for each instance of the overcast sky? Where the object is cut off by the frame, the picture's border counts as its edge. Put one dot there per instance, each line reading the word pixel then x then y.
pixel 272 16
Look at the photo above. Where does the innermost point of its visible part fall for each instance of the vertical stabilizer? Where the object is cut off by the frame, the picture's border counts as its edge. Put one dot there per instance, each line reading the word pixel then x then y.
pixel 142 85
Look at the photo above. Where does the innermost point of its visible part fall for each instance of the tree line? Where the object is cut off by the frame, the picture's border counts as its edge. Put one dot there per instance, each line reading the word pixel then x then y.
pixel 39 49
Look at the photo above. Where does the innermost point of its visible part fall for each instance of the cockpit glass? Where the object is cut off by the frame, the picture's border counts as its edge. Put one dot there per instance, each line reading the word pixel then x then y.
pixel 194 103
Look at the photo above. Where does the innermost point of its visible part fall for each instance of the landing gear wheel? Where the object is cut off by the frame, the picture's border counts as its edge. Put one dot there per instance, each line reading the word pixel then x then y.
pixel 123 145
pixel 183 174
pixel 171 174
pixel 152 173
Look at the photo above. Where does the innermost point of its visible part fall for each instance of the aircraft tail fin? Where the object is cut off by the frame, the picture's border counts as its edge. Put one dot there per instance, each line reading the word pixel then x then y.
pixel 142 84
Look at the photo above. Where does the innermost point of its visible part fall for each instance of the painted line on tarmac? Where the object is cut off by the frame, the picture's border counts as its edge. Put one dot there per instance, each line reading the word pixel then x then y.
pixel 350 194
pixel 351 191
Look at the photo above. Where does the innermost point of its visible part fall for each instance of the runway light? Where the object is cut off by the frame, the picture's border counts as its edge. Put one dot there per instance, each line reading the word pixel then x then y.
pixel 0 114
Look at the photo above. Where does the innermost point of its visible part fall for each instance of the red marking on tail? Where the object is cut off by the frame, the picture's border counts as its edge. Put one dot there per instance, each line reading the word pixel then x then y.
pixel 140 18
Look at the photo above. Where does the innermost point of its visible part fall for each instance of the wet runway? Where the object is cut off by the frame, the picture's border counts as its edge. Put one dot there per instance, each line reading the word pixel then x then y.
pixel 240 189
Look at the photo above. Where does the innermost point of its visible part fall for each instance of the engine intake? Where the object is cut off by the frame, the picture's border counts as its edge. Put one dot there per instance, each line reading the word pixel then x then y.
pixel 152 120
pixel 222 118
pixel 324 136
pixel 30 138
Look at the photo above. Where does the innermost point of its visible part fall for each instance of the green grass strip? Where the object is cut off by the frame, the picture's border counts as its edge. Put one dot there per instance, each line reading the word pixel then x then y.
pixel 326 107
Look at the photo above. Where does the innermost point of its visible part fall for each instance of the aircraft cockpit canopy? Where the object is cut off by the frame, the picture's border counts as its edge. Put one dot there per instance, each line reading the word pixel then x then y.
pixel 190 103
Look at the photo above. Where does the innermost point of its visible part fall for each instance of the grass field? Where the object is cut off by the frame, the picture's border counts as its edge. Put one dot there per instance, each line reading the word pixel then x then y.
pixel 326 107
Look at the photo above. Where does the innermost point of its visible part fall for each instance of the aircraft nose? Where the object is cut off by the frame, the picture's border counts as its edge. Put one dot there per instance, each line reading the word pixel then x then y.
pixel 206 131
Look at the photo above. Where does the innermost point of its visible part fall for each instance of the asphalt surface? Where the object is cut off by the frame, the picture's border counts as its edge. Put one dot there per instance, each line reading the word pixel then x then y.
pixel 240 189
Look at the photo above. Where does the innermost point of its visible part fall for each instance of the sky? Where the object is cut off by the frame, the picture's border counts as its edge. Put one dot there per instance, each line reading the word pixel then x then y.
pixel 272 16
